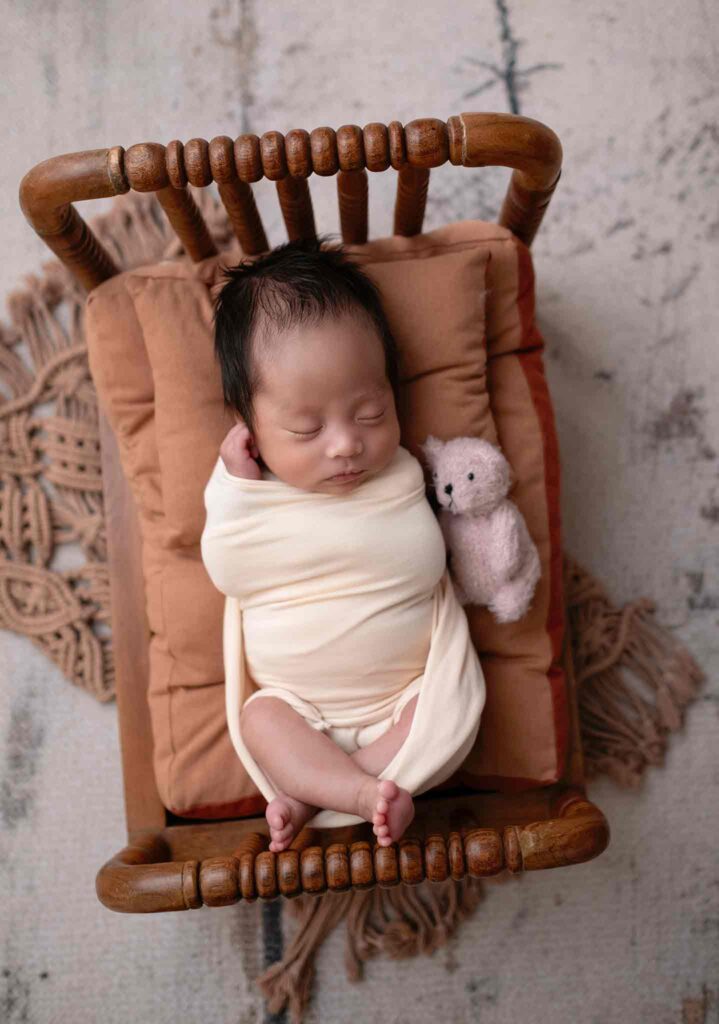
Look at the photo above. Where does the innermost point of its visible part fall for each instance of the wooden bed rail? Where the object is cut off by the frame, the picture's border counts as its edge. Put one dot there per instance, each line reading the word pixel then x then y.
pixel 49 189
pixel 143 878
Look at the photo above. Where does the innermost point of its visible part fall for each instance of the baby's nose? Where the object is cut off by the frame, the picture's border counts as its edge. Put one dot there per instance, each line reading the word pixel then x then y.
pixel 348 448
pixel 448 489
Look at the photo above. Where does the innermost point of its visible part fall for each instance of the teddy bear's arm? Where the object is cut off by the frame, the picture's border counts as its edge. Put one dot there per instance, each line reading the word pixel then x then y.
pixel 507 526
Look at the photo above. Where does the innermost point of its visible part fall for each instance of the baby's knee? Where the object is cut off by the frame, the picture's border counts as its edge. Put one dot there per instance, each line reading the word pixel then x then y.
pixel 255 720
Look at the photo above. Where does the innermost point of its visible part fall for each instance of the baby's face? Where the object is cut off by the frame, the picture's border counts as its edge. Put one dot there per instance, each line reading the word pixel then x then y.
pixel 327 406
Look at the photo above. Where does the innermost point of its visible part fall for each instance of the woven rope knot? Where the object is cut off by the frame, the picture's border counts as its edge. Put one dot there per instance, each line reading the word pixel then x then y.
pixel 90 528
pixel 399 940
pixel 68 378
pixel 34 600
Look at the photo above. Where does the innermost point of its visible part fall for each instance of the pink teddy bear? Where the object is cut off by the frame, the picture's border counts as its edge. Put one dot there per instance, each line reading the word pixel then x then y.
pixel 494 561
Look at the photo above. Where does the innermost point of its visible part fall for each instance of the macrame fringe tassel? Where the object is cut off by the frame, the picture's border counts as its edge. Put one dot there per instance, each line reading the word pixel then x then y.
pixel 399 922
pixel 50 481
pixel 289 981
pixel 622 656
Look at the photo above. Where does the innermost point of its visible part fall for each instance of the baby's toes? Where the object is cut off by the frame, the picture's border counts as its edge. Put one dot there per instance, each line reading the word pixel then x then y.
pixel 277 823
pixel 388 789
pixel 276 817
pixel 282 833
pixel 281 838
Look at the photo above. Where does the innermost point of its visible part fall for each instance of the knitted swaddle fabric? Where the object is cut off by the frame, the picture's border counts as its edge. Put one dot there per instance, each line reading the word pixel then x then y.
pixel 344 600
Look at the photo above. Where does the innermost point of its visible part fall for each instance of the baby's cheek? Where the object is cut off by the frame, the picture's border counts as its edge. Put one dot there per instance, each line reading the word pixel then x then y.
pixel 387 445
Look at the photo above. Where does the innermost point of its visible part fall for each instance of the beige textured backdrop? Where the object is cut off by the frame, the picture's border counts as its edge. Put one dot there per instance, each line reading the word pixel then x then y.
pixel 626 275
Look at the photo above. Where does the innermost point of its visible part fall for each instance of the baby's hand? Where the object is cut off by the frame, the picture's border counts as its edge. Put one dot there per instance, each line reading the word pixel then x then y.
pixel 237 451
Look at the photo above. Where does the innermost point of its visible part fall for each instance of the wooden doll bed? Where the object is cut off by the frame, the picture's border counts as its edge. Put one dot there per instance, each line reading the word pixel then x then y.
pixel 171 863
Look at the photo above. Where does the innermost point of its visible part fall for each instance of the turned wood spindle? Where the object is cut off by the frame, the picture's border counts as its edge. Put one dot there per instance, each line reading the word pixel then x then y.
pixel 296 205
pixel 386 865
pixel 436 861
pixel 237 197
pixel 361 865
pixel 337 867
pixel 352 197
pixel 375 137
pixel 266 875
pixel 197 162
pixel 323 150
pixel 411 861
pixel 219 881
pixel 411 200
pixel 184 215
pixel 81 252
pixel 250 846
pixel 146 171
pixel 248 158
pixel 312 869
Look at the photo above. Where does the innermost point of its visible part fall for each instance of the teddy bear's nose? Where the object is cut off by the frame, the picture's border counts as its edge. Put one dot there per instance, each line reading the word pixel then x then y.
pixel 447 488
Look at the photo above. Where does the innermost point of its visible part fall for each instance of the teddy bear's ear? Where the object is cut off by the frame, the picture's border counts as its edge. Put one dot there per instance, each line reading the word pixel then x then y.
pixel 511 475
pixel 431 448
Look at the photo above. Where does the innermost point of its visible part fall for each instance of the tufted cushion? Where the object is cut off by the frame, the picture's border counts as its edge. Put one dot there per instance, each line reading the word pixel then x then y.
pixel 151 356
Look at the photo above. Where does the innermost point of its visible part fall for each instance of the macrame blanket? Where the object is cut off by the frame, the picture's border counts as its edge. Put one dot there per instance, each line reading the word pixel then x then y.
pixel 634 678
pixel 342 605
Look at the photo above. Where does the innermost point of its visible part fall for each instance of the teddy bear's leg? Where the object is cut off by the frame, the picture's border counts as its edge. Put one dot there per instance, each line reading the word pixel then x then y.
pixel 512 600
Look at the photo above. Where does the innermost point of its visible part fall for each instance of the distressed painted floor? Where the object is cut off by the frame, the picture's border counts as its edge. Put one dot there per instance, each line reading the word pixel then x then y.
pixel 626 278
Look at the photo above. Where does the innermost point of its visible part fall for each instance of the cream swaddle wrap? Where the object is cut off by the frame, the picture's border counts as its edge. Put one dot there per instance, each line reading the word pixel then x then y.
pixel 338 603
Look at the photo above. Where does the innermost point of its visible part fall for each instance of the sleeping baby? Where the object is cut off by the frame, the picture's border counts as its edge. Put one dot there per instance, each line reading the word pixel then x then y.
pixel 351 680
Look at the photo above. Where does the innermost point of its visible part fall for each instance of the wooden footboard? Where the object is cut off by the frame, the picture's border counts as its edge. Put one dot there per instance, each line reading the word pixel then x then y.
pixel 184 867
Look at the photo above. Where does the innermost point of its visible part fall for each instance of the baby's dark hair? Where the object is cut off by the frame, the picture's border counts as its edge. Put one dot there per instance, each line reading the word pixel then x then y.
pixel 297 282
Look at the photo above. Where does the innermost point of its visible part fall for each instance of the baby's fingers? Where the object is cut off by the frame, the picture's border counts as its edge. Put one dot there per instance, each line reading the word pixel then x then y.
pixel 239 444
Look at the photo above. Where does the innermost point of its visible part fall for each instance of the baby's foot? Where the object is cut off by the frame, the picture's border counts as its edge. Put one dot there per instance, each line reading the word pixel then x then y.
pixel 391 810
pixel 285 815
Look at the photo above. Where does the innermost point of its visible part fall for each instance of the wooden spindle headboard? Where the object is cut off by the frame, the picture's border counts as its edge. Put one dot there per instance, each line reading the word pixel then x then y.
pixel 49 189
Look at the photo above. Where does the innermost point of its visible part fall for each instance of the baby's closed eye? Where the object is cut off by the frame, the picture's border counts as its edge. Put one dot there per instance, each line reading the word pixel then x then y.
pixel 375 418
